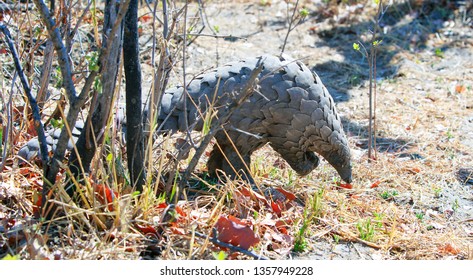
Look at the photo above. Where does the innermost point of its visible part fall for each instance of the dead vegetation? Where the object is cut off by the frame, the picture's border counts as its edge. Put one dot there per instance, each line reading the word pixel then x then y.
pixel 414 201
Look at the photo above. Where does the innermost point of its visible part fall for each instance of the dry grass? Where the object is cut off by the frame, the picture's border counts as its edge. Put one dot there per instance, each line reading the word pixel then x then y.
pixel 413 202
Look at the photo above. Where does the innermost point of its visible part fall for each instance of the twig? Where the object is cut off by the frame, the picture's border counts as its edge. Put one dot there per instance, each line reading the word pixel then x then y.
pixel 63 58
pixel 6 133
pixel 34 105
pixel 217 242
pixel 216 36
pixel 351 237
pixel 41 95
pixel 290 28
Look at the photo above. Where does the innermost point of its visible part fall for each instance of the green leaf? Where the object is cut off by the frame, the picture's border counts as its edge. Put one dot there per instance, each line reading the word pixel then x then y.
pixel 217 28
pixel 377 42
pixel 356 46
pixel 57 123
pixel 98 85
pixel 11 258
pixel 303 12
pixel 439 53
pixel 93 59
pixel 109 158
pixel 220 256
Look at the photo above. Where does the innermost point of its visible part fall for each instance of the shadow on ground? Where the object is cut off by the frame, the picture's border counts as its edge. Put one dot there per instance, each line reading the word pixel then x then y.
pixel 404 27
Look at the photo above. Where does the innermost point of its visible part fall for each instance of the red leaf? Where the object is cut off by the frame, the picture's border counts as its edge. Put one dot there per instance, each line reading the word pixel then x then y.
pixel 146 18
pixel 180 212
pixel 282 226
pixel 147 230
pixel 245 191
pixel 177 230
pixel 162 205
pixel 234 231
pixel 105 195
pixel 375 184
pixel 276 208
pixel 345 186
pixel 290 196
pixel 460 89
pixel 449 249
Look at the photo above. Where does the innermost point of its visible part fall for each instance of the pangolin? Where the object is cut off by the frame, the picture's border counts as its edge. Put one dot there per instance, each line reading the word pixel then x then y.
pixel 290 109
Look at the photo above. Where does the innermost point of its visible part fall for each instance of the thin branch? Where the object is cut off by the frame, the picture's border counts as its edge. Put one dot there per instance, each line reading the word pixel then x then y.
pixel 63 58
pixel 38 125
pixel 289 29
pixel 6 133
pixel 216 36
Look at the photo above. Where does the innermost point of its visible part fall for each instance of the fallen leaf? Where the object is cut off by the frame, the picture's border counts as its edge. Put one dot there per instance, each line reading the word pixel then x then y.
pixel 375 184
pixel 277 208
pixel 245 191
pixel 290 196
pixel 282 226
pixel 460 88
pixel 449 249
pixel 177 230
pixel 413 170
pixel 344 186
pixel 147 230
pixel 236 232
pixel 105 195
pixel 146 18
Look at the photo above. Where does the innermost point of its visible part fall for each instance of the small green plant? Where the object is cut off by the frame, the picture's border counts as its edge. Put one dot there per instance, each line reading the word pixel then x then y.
pixel 455 205
pixel 449 134
pixel 273 173
pixel 365 229
pixel 57 123
pixel 389 194
pixel 309 214
pixel 11 258
pixel 336 238
pixel 220 256
pixel 58 76
pixel 291 177
pixel 93 61
pixel 438 192
pixel 439 53
pixel 98 85
pixel 420 215
pixel 264 3
pixel 300 244
pixel 378 218
pixel 303 12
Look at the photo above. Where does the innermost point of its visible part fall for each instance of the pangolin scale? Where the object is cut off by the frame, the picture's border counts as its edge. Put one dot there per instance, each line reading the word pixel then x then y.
pixel 290 109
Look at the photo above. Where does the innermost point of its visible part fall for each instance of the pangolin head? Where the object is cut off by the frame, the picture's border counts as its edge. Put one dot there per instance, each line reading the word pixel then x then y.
pixel 340 159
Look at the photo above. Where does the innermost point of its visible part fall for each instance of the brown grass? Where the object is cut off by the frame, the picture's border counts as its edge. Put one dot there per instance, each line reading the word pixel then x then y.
pixel 411 203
